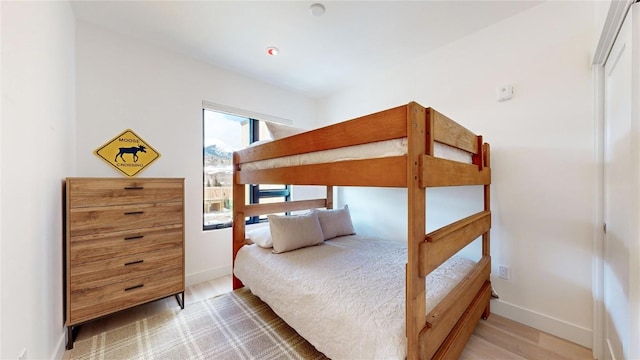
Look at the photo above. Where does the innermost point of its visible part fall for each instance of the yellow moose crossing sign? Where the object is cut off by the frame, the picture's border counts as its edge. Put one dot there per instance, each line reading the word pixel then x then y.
pixel 128 153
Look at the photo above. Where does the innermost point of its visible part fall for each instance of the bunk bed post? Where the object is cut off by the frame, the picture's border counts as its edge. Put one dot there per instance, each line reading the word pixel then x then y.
pixel 416 228
pixel 329 197
pixel 486 250
pixel 238 216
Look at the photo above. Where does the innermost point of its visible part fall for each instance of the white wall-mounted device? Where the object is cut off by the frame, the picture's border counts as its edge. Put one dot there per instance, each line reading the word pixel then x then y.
pixel 504 92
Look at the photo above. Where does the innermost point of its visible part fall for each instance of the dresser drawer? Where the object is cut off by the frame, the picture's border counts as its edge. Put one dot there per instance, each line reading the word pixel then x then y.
pixel 102 273
pixel 87 304
pixel 92 220
pixel 100 246
pixel 87 192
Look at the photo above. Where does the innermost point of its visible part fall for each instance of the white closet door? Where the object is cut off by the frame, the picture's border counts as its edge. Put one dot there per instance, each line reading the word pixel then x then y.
pixel 622 194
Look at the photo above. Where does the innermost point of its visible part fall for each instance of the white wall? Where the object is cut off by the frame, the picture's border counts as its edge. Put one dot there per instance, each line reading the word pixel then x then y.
pixel 542 156
pixel 1 117
pixel 123 83
pixel 37 152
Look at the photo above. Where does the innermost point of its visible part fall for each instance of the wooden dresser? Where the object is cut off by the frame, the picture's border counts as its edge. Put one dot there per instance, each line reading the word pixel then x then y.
pixel 124 245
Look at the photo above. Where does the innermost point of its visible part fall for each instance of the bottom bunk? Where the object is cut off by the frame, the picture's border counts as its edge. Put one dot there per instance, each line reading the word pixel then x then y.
pixel 346 296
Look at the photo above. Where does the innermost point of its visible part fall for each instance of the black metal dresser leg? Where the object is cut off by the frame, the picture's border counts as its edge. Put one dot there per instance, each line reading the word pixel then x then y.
pixel 72 333
pixel 180 299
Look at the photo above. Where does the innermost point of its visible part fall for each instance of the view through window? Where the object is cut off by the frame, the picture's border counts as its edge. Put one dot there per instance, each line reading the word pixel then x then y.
pixel 223 134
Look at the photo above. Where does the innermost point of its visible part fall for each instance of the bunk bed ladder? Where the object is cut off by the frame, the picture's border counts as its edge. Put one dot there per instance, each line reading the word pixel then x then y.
pixel 443 332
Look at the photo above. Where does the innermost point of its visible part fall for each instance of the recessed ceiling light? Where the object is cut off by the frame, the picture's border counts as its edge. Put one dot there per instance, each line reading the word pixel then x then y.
pixel 272 50
pixel 317 9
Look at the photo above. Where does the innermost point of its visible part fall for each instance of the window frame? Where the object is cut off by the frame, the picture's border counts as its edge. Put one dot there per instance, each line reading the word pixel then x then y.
pixel 255 193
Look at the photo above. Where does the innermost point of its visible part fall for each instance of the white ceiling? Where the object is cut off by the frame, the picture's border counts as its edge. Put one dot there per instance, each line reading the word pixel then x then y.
pixel 318 55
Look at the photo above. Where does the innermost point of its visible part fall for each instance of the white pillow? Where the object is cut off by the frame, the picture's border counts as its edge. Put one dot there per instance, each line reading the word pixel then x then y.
pixel 279 131
pixel 259 142
pixel 294 232
pixel 260 236
pixel 335 222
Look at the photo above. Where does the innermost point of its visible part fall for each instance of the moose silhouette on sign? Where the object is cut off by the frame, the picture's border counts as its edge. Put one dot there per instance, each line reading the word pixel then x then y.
pixel 130 150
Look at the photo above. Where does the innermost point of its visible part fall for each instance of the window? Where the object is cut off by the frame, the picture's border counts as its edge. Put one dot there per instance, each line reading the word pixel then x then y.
pixel 224 133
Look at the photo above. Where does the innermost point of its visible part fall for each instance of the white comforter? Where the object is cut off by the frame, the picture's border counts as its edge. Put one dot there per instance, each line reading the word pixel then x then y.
pixel 346 296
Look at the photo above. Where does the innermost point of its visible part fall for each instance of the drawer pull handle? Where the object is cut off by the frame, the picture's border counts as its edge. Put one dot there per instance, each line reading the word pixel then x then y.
pixel 134 262
pixel 134 187
pixel 134 213
pixel 134 237
pixel 134 287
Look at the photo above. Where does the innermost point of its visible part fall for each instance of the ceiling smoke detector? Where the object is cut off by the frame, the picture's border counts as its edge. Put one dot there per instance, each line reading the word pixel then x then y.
pixel 317 9
pixel 272 50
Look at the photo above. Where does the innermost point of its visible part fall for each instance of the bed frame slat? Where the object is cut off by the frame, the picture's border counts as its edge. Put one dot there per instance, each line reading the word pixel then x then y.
pixel 455 343
pixel 443 243
pixel 451 133
pixel 381 172
pixel 443 172
pixel 384 125
pixel 272 208
pixel 445 315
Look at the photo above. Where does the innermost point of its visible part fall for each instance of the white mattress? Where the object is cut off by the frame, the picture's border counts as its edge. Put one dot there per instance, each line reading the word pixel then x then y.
pixel 387 148
pixel 346 296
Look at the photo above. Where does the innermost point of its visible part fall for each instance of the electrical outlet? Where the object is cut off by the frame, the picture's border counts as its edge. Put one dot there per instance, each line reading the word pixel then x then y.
pixel 23 354
pixel 503 272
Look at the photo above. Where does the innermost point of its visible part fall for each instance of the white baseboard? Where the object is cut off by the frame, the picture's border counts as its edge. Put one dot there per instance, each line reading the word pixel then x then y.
pixel 610 352
pixel 553 326
pixel 196 278
pixel 58 351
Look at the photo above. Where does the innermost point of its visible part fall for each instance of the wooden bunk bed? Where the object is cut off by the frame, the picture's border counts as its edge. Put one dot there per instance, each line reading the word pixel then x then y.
pixel 444 331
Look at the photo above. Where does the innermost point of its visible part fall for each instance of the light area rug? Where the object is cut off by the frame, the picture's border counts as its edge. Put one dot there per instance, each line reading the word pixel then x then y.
pixel 237 325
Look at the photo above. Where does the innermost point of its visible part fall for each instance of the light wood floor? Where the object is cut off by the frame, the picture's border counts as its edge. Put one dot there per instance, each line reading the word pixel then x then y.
pixel 495 338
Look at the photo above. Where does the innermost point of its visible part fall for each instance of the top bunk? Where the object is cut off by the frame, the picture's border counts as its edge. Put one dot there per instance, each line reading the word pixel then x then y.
pixel 423 141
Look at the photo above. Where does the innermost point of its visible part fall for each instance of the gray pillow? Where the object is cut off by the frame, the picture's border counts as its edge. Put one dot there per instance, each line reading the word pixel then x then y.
pixel 335 222
pixel 294 232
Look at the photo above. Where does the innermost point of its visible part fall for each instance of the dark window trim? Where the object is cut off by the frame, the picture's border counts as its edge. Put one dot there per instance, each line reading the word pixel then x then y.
pixel 255 193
